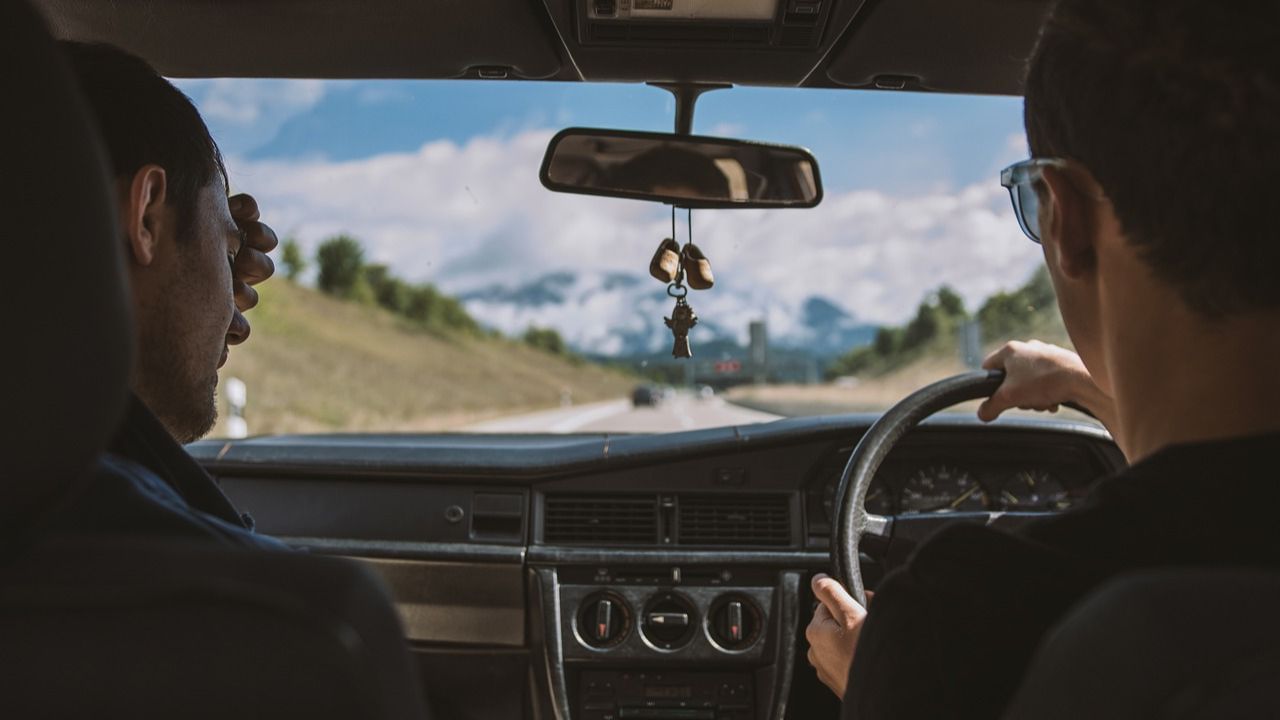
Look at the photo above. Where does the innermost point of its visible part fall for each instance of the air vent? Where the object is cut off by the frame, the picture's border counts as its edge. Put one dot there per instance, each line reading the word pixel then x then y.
pixel 735 520
pixel 578 519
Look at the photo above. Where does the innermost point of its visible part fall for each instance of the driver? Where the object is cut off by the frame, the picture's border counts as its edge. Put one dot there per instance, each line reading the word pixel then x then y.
pixel 1154 130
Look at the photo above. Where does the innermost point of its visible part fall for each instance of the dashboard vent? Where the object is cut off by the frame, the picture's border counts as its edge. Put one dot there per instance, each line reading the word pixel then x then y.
pixel 735 520
pixel 578 519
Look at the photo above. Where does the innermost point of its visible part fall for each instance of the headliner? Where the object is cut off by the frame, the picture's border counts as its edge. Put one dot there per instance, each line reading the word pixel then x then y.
pixel 959 46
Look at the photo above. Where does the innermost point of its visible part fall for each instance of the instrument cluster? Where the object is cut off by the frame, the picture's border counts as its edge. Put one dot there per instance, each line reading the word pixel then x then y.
pixel 945 485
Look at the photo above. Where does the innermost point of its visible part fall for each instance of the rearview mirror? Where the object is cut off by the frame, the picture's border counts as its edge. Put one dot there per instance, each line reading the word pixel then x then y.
pixel 683 170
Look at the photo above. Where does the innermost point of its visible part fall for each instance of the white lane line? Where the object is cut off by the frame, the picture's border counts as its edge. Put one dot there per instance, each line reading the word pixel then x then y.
pixel 587 417
pixel 542 421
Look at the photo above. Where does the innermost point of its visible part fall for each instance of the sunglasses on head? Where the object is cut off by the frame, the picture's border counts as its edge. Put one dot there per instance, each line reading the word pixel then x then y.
pixel 1023 181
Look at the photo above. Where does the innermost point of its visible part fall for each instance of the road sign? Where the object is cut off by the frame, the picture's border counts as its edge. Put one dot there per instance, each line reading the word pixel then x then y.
pixel 729 366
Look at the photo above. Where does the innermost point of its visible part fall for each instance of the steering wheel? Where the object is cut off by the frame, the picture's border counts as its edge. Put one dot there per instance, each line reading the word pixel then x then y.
pixel 852 519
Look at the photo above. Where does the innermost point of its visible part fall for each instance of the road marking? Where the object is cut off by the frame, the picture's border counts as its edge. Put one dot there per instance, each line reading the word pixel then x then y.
pixel 589 416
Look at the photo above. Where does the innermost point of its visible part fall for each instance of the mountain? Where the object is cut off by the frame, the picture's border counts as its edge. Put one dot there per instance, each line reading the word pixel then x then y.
pixel 828 330
pixel 622 315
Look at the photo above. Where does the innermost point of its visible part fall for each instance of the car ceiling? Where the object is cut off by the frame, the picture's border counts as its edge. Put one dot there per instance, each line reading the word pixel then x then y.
pixel 962 46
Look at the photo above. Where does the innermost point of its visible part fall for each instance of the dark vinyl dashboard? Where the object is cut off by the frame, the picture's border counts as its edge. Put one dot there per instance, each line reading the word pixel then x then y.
pixel 642 576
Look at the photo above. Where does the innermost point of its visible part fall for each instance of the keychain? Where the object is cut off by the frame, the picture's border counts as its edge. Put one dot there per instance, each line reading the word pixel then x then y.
pixel 682 320
pixel 670 264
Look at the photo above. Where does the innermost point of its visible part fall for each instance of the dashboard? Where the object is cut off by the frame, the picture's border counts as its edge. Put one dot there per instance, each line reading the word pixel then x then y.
pixel 648 576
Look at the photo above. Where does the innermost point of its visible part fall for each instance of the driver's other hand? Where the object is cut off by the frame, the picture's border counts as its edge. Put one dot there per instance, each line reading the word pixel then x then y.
pixel 252 265
pixel 833 632
pixel 1038 376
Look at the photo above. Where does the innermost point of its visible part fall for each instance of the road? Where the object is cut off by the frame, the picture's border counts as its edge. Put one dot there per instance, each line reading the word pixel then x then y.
pixel 682 412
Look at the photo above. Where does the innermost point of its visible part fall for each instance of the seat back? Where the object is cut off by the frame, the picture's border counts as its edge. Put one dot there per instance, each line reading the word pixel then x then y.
pixel 138 626
pixel 1175 644
pixel 107 627
pixel 67 334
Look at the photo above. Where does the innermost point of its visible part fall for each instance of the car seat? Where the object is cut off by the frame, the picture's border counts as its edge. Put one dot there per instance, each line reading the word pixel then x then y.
pixel 135 626
pixel 1172 644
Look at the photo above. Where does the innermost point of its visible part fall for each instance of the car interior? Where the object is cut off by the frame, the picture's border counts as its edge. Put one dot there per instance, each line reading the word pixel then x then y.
pixel 587 576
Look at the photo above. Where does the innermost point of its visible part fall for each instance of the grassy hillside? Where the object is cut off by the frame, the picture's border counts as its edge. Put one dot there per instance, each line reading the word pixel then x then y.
pixel 314 363
pixel 875 378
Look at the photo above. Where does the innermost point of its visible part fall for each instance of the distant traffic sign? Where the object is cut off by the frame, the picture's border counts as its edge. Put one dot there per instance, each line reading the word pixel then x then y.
pixel 728 366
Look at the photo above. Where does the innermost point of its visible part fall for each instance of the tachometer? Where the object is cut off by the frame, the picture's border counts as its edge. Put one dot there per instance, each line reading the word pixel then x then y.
pixel 1034 490
pixel 942 488
pixel 878 502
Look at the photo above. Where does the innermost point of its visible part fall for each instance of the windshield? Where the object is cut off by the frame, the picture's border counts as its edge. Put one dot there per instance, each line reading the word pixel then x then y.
pixel 427 281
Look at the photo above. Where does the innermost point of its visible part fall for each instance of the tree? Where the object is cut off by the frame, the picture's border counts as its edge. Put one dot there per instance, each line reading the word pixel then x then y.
pixel 388 291
pixel 950 303
pixel 923 328
pixel 887 341
pixel 341 260
pixel 425 306
pixel 295 263
pixel 1008 314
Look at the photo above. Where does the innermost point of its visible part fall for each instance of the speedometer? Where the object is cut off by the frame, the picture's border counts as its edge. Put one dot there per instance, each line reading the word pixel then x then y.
pixel 942 488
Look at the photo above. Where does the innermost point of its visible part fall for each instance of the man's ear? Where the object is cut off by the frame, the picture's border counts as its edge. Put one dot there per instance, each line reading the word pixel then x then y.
pixel 1068 220
pixel 143 212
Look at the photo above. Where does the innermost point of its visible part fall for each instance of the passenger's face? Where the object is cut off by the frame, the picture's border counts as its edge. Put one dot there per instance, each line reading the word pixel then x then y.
pixel 192 320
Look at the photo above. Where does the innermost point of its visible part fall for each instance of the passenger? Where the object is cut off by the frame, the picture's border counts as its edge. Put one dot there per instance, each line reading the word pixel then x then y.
pixel 192 254
pixel 1154 129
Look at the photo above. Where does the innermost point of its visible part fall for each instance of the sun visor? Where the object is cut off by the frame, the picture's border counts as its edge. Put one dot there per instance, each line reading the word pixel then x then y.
pixel 978 46
pixel 320 38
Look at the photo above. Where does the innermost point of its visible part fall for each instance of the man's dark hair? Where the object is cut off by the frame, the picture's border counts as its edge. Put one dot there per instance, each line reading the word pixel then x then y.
pixel 144 119
pixel 1174 107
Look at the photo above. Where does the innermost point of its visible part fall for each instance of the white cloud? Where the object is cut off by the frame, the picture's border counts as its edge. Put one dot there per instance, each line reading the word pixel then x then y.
pixel 728 129
pixel 465 216
pixel 245 102
pixel 242 112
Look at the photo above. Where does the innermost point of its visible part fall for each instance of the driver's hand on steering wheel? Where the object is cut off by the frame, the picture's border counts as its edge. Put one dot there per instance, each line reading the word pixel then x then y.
pixel 833 632
pixel 1040 376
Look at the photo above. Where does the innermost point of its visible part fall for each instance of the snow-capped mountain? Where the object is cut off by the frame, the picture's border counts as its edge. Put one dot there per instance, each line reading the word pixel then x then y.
pixel 619 314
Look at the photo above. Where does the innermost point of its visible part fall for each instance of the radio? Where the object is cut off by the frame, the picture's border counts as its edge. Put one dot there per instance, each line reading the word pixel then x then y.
pixel 632 695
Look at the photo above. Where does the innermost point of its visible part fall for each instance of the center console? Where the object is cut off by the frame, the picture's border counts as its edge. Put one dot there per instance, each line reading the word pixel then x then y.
pixel 701 640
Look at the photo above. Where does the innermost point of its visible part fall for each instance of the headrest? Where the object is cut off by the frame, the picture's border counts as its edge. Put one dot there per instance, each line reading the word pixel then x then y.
pixel 68 339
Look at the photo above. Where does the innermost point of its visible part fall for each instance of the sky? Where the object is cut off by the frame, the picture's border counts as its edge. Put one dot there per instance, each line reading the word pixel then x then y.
pixel 438 179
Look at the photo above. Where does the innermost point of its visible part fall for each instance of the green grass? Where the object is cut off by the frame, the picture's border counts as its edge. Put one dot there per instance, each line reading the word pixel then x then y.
pixel 314 364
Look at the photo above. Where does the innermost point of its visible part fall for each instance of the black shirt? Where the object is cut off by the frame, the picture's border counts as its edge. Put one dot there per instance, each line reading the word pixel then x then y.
pixel 147 484
pixel 144 440
pixel 951 633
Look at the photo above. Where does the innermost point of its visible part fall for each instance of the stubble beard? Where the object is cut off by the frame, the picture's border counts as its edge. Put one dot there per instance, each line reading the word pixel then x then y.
pixel 177 383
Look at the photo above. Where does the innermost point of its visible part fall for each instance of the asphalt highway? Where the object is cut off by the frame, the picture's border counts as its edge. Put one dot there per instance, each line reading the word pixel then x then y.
pixel 683 411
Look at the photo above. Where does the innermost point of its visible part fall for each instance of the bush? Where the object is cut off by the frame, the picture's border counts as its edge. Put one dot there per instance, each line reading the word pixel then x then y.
pixel 344 274
pixel 387 290
pixel 546 339
pixel 1012 314
pixel 936 320
pixel 295 263
pixel 341 261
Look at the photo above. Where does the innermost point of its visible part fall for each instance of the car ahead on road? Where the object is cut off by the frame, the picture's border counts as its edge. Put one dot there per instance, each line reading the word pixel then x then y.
pixel 646 396
pixel 602 575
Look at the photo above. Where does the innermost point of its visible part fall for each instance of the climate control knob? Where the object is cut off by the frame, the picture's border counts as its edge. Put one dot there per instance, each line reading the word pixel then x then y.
pixel 734 622
pixel 604 620
pixel 669 621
